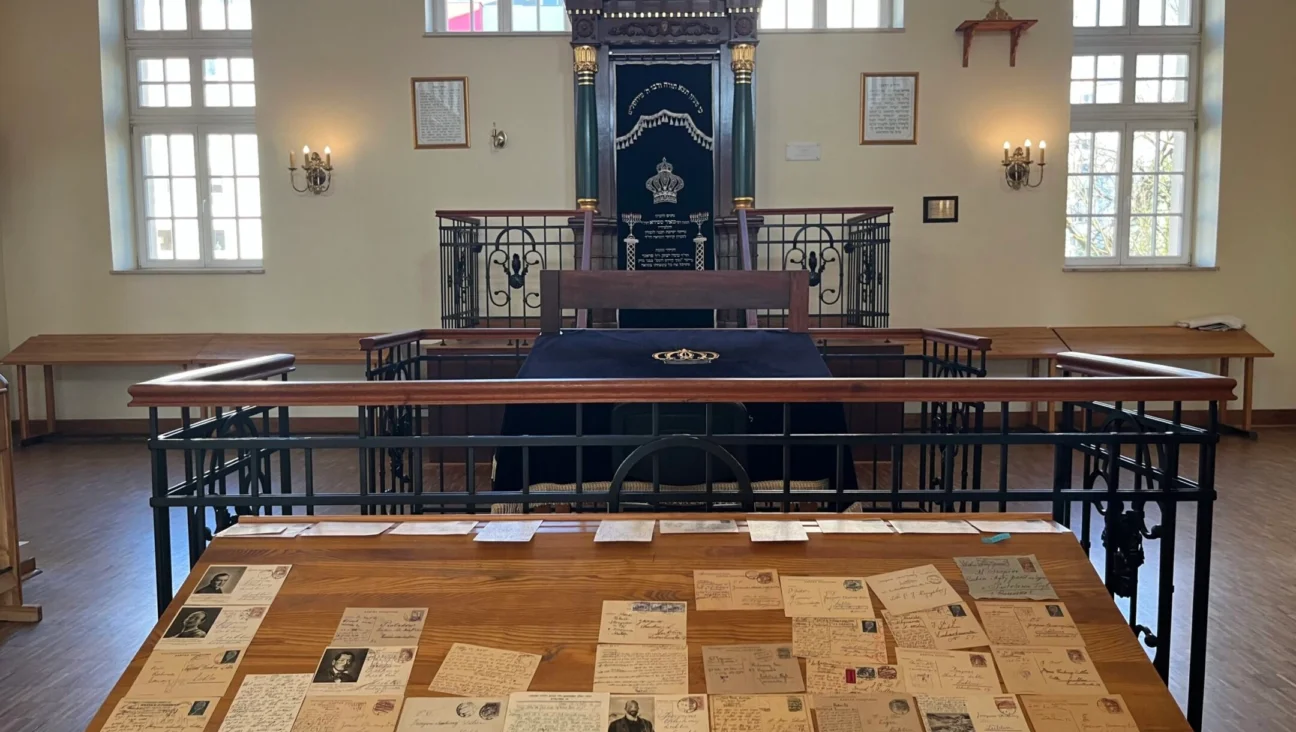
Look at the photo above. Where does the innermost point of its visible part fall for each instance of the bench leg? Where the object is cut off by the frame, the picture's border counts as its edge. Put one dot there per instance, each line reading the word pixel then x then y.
pixel 50 419
pixel 1248 372
pixel 24 415
pixel 1034 406
pixel 1050 406
pixel 20 614
pixel 1224 406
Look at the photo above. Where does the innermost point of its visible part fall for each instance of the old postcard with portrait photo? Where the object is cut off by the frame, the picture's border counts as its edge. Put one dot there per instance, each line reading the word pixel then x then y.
pixel 227 627
pixel 660 713
pixel 254 584
pixel 372 671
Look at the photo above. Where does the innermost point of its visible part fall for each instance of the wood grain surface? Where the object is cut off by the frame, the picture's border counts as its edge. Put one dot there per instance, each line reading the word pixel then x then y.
pixel 135 349
pixel 1162 342
pixel 545 596
pixel 1020 343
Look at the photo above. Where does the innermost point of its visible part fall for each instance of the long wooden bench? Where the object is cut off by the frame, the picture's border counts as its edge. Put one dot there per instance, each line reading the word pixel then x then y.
pixel 12 609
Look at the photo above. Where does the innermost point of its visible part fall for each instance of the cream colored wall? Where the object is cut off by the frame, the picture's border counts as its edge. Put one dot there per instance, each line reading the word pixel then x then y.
pixel 363 257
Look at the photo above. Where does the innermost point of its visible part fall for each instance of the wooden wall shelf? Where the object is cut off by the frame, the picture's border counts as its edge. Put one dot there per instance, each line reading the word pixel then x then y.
pixel 1014 27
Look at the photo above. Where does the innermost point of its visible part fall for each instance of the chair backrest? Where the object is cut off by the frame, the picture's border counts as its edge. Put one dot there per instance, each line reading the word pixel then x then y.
pixel 682 290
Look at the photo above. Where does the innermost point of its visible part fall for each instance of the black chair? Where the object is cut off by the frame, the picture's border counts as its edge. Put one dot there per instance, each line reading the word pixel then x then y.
pixel 683 461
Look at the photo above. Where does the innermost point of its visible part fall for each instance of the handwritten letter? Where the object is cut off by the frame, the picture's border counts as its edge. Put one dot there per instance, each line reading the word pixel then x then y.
pixel 840 676
pixel 476 671
pixel 755 589
pixel 852 638
pixel 509 531
pixel 454 714
pixel 622 531
pixel 653 669
pixel 867 713
pixel 976 712
pixel 762 531
pixel 267 703
pixel 1005 578
pixel 949 672
pixel 643 622
pixel 160 715
pixel 569 712
pixel 1029 624
pixel 1079 713
pixel 826 597
pixel 755 669
pixel 1048 670
pixel 944 628
pixel 204 672
pixel 371 626
pixel 914 589
pixel 349 714
pixel 774 713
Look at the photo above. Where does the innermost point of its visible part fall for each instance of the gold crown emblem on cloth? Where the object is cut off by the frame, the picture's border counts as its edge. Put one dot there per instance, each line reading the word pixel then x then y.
pixel 685 355
pixel 665 185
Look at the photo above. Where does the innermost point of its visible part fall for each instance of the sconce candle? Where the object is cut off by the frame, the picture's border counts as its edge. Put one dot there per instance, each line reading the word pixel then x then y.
pixel 1007 151
pixel 1043 147
pixel 1017 166
pixel 318 171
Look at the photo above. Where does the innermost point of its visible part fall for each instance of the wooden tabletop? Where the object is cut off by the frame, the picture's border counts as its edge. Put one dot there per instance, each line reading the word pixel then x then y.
pixel 545 596
pixel 175 348
pixel 1164 341
pixel 309 348
pixel 1019 343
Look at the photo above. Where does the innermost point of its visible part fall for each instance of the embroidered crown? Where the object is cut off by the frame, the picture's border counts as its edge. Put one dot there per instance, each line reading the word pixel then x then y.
pixel 665 186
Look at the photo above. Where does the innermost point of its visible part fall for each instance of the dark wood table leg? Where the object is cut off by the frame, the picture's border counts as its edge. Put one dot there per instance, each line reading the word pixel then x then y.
pixel 1034 373
pixel 24 415
pixel 1050 406
pixel 1248 373
pixel 1224 406
pixel 51 421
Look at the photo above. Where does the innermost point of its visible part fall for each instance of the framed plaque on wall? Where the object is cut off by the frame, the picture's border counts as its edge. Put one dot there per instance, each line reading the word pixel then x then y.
pixel 888 109
pixel 440 112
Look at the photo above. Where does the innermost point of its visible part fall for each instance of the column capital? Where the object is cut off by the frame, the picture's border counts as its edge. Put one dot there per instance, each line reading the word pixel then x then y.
pixel 743 57
pixel 586 60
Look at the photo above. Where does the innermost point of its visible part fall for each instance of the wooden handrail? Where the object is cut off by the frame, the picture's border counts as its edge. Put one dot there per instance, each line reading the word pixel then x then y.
pixel 261 367
pixel 504 212
pixel 1088 364
pixel 875 210
pixel 169 392
pixel 390 340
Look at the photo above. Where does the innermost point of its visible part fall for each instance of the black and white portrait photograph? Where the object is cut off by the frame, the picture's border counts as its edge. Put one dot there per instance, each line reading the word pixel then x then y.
pixel 1054 611
pixel 341 665
pixel 193 622
pixel 630 714
pixel 220 580
pixel 949 723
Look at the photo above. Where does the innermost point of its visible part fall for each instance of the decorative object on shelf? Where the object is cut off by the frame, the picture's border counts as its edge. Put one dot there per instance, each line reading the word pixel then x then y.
pixel 686 356
pixel 440 112
pixel 699 241
pixel 888 109
pixel 997 20
pixel 1017 165
pixel 317 170
pixel 631 242
pixel 940 209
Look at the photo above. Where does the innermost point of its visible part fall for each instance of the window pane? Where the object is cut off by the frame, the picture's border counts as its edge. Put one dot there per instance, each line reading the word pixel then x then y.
pixel 1169 236
pixel 240 14
pixel 1078 194
pixel 525 17
pixel 1105 191
pixel 1109 67
pixel 1080 156
pixel 459 17
pixel 800 14
pixel 173 15
pixel 182 155
pixel 774 14
pixel 178 95
pixel 245 154
pixel 1175 65
pixel 1173 149
pixel 1147 91
pixel 220 155
pixel 1174 92
pixel 839 13
pixel 216 95
pixel 868 14
pixel 216 69
pixel 1109 92
pixel 1102 239
pixel 177 69
pixel 1084 14
pixel 161 239
pixel 1148 66
pixel 152 95
pixel 225 239
pixel 187 246
pixel 155 155
pixel 151 69
pixel 244 95
pixel 222 197
pixel 185 196
pixel 1077 236
pixel 241 69
pixel 249 197
pixel 1107 147
pixel 1170 194
pixel 213 14
pixel 1150 12
pixel 1178 12
pixel 148 15
pixel 1143 194
pixel 1145 152
pixel 1112 13
pixel 1141 236
pixel 157 198
pixel 1082 67
pixel 1082 92
pixel 250 238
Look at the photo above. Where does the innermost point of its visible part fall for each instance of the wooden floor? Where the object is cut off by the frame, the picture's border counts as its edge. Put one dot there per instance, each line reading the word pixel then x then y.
pixel 84 508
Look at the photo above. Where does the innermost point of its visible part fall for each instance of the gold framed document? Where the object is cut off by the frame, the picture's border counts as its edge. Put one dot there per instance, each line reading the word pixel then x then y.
pixel 440 112
pixel 889 109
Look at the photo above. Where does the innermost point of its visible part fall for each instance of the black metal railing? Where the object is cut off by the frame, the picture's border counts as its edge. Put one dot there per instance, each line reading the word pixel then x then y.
pixel 491 260
pixel 1120 476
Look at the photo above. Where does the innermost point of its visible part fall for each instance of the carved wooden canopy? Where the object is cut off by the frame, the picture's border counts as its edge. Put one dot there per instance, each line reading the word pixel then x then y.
pixel 663 22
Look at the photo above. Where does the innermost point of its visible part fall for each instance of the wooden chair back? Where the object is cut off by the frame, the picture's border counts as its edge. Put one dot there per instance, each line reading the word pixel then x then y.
pixel 682 290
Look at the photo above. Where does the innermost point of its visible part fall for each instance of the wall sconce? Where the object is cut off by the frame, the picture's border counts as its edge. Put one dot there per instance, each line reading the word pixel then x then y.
pixel 318 171
pixel 499 138
pixel 1017 165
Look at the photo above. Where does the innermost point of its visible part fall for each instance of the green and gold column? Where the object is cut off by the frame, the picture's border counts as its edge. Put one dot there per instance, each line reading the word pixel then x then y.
pixel 586 129
pixel 743 63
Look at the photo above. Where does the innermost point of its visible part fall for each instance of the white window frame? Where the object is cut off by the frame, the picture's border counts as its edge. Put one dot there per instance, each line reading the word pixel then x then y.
pixel 437 17
pixel 891 19
pixel 197 119
pixel 1131 40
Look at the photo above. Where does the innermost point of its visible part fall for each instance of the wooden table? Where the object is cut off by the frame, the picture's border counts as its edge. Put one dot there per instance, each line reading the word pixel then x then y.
pixel 308 348
pixel 1033 344
pixel 545 597
pixel 1173 343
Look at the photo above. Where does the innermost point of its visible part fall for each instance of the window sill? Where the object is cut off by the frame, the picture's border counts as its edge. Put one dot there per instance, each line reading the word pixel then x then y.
pixel 194 271
pixel 496 34
pixel 1144 268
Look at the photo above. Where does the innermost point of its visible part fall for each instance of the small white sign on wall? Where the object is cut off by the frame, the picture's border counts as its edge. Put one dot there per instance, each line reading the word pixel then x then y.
pixel 802 151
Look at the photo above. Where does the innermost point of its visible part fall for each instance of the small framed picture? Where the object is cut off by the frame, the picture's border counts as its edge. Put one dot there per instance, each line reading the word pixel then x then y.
pixel 889 109
pixel 440 112
pixel 940 209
